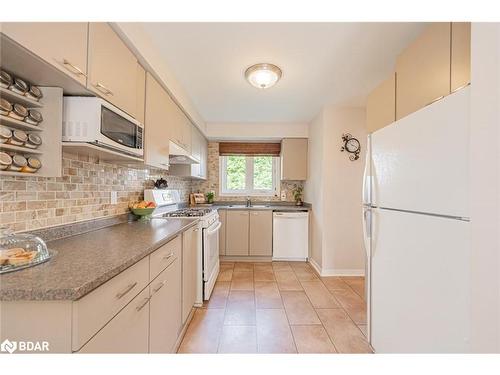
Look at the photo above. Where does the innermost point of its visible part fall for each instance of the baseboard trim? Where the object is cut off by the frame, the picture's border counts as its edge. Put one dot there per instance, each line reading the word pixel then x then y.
pixel 335 272
pixel 343 272
pixel 229 258
pixel 315 265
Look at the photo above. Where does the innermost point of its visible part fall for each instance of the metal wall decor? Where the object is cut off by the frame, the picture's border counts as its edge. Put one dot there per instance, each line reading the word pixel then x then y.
pixel 351 145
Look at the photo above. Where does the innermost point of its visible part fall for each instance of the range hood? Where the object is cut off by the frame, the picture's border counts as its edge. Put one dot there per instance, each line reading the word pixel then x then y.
pixel 180 156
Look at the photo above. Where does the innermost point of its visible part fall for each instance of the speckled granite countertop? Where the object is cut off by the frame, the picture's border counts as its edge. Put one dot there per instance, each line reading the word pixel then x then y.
pixel 261 206
pixel 88 260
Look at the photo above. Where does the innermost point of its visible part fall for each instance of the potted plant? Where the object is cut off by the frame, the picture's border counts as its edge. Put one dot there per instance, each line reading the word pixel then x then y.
pixel 210 197
pixel 297 195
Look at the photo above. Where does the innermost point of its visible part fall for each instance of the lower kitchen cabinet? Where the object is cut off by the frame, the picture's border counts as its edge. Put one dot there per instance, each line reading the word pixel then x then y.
pixel 137 311
pixel 247 232
pixel 191 241
pixel 222 232
pixel 237 227
pixel 127 332
pixel 261 233
pixel 165 309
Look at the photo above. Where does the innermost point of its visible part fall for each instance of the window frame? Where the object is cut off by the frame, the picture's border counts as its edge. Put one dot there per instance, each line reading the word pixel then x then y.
pixel 249 191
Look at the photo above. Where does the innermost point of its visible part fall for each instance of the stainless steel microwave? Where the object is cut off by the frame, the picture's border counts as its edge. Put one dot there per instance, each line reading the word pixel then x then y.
pixel 95 121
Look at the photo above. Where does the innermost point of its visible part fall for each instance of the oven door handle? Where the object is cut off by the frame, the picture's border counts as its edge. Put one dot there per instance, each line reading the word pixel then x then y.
pixel 216 229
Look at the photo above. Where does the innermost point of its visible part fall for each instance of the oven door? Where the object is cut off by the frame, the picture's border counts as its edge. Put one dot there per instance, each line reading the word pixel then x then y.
pixel 210 258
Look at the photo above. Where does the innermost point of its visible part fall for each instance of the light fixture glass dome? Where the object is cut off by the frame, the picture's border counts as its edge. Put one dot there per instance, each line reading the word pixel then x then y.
pixel 263 75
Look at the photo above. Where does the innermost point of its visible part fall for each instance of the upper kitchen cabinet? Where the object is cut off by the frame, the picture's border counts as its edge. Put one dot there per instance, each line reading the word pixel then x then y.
pixel 180 128
pixel 423 70
pixel 156 132
pixel 294 159
pixel 61 44
pixel 381 105
pixel 112 69
pixel 199 150
pixel 141 93
pixel 460 55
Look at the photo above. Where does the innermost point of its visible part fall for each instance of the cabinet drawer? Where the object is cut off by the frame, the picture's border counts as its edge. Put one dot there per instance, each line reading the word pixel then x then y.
pixel 127 332
pixel 93 311
pixel 164 256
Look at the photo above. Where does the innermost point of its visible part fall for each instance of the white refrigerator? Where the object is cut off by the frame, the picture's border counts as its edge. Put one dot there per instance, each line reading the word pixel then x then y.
pixel 416 227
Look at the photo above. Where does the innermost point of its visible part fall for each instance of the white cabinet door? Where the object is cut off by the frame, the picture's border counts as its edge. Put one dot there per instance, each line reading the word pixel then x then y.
pixel 165 309
pixel 157 126
pixel 190 248
pixel 127 332
pixel 61 44
pixel 112 68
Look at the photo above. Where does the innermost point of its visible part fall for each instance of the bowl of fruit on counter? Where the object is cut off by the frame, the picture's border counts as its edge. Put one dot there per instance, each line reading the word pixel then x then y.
pixel 143 209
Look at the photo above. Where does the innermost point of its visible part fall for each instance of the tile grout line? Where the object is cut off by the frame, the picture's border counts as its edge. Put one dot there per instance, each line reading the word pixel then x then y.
pixel 322 325
pixel 345 311
pixel 286 314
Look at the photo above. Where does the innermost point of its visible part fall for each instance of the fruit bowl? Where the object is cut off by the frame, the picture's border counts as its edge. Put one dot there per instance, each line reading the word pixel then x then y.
pixel 143 209
pixel 144 213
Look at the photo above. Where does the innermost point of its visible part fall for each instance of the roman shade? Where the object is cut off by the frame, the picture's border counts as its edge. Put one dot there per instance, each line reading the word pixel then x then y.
pixel 255 149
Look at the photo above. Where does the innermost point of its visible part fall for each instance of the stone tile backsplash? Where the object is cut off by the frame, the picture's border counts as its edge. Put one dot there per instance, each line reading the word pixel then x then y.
pixel 82 193
pixel 212 183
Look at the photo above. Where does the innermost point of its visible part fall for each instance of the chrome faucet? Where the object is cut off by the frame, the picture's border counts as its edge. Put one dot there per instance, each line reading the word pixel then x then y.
pixel 249 202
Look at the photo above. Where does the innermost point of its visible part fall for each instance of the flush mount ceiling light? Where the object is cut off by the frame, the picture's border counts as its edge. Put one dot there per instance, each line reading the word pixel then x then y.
pixel 263 75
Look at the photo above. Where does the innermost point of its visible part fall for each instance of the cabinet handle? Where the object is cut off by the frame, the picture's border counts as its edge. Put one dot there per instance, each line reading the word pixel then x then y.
pixel 99 86
pixel 159 287
pixel 168 256
pixel 127 289
pixel 144 303
pixel 76 70
pixel 196 229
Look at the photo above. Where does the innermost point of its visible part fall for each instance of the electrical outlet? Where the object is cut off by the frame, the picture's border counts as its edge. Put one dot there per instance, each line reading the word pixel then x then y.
pixel 283 195
pixel 114 197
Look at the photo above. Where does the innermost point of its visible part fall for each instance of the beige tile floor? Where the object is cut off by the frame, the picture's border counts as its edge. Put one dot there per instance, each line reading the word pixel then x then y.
pixel 279 307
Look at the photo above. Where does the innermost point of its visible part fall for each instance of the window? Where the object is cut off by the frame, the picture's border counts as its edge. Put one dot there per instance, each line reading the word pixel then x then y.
pixel 249 175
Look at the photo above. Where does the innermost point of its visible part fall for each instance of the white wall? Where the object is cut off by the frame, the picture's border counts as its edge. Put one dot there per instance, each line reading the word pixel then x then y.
pixel 334 189
pixel 313 189
pixel 485 187
pixel 256 131
pixel 343 231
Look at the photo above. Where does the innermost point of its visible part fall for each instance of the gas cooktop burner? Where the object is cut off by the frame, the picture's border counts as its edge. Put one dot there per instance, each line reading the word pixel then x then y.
pixel 189 212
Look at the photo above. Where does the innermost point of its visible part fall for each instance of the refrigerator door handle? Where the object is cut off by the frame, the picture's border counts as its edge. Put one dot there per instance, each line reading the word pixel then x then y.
pixel 367 229
pixel 366 175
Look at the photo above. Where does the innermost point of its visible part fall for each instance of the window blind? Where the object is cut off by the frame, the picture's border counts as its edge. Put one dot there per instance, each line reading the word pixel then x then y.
pixel 255 149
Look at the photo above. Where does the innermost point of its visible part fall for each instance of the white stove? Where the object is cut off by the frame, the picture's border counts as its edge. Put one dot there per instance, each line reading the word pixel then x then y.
pixel 169 206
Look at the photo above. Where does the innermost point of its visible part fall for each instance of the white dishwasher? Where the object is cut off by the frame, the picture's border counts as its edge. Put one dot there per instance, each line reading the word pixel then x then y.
pixel 291 235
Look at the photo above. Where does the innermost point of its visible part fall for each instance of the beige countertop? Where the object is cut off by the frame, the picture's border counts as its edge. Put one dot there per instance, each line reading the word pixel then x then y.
pixel 84 262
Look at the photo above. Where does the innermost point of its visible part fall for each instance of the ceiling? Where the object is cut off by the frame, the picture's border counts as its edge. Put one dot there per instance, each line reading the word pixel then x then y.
pixel 322 63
